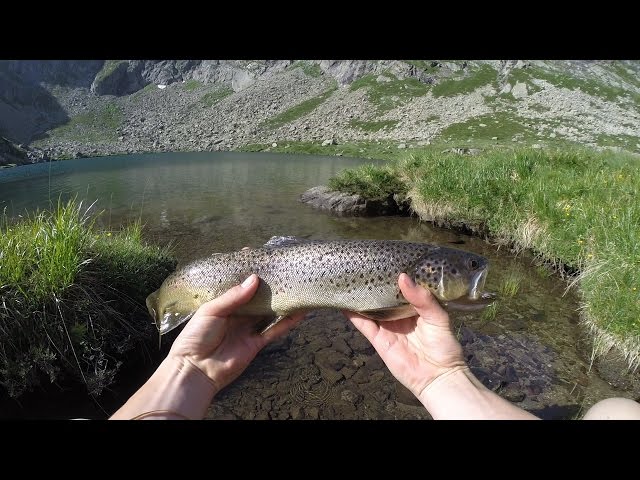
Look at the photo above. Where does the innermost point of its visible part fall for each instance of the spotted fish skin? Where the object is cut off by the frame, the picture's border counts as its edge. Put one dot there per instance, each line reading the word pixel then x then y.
pixel 357 275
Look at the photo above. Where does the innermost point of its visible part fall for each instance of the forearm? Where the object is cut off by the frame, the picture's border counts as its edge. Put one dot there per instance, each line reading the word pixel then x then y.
pixel 460 395
pixel 176 390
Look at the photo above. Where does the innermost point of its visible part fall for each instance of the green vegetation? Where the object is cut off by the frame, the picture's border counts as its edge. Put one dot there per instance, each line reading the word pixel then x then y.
pixel 591 87
pixel 72 299
pixel 511 284
pixel 389 94
pixel 576 209
pixel 94 126
pixel 626 75
pixel 627 142
pixel 424 65
pixel 485 75
pixel 213 97
pixel 108 68
pixel 381 150
pixel 484 127
pixel 299 110
pixel 373 126
pixel 371 181
pixel 523 75
pixel 191 85
pixel 489 314
pixel 309 68
pixel 148 89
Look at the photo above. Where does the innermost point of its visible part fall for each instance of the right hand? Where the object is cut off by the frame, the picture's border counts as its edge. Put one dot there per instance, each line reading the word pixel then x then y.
pixel 417 349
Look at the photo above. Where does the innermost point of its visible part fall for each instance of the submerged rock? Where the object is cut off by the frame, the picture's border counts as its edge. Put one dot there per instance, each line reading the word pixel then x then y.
pixel 343 203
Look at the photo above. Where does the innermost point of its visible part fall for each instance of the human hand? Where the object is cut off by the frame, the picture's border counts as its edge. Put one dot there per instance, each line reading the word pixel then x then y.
pixel 417 349
pixel 221 345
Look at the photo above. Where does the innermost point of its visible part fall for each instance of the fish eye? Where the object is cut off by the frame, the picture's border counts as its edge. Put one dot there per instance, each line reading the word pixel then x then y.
pixel 473 264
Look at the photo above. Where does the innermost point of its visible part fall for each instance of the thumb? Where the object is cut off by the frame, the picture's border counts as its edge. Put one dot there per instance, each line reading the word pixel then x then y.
pixel 229 301
pixel 423 301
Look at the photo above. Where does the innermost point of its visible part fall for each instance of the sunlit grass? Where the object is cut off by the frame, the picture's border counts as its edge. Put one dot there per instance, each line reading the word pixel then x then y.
pixel 72 298
pixel 576 209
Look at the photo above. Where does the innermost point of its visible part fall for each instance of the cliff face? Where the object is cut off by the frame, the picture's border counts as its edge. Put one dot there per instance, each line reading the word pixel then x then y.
pixel 114 106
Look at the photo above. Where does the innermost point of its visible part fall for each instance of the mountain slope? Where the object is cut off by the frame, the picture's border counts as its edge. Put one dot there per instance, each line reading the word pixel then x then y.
pixel 96 107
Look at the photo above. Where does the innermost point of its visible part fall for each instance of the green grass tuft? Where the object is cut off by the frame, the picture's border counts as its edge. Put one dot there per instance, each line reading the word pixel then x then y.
pixel 370 181
pixel 489 313
pixel 386 95
pixel 191 85
pixel 511 284
pixel 72 299
pixel 310 69
pixel 298 111
pixel 574 208
pixel 485 75
pixel 213 97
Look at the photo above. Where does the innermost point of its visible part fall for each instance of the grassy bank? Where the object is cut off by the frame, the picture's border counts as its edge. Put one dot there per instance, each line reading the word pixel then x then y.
pixel 72 299
pixel 577 209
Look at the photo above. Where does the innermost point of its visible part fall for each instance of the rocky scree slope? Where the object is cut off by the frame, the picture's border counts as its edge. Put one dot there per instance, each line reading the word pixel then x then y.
pixel 61 109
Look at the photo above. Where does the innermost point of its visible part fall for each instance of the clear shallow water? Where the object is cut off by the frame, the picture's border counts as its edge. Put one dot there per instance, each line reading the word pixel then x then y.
pixel 210 202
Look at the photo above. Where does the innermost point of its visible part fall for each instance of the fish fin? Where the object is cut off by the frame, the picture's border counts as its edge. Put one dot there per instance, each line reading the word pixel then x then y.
pixel 169 321
pixel 270 323
pixel 276 241
pixel 390 313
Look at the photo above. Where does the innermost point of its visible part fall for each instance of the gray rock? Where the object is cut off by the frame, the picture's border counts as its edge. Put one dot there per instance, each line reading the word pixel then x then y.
pixel 350 396
pixel 520 90
pixel 342 203
pixel 341 346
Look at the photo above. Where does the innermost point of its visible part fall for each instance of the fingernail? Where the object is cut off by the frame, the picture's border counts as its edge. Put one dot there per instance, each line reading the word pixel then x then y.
pixel 410 280
pixel 248 281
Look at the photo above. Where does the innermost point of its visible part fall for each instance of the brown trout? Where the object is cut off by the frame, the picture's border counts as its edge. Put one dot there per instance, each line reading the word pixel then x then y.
pixel 298 274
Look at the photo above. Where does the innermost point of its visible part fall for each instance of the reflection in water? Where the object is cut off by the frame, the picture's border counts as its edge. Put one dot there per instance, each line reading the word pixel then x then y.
pixel 212 202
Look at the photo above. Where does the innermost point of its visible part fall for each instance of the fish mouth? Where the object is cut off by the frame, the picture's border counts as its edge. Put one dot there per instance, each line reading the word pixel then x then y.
pixel 466 305
pixel 476 299
pixel 477 285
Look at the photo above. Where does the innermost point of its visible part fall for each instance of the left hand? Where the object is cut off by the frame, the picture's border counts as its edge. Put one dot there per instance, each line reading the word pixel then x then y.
pixel 221 346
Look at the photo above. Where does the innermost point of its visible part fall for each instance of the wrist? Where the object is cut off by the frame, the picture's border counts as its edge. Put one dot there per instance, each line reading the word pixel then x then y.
pixel 176 390
pixel 453 377
pixel 457 394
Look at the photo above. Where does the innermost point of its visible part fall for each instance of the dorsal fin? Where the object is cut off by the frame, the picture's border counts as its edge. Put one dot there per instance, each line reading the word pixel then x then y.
pixel 276 241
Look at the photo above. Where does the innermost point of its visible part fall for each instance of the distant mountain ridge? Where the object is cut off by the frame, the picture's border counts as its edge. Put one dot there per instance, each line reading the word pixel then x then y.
pixel 66 107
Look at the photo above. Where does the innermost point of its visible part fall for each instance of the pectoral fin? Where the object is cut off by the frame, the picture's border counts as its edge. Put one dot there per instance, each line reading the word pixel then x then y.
pixel 269 323
pixel 169 321
pixel 390 313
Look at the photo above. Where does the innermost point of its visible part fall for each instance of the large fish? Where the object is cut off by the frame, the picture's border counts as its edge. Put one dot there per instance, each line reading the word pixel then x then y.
pixel 298 274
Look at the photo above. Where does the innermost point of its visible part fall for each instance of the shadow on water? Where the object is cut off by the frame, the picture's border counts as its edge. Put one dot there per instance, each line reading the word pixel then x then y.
pixel 530 350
